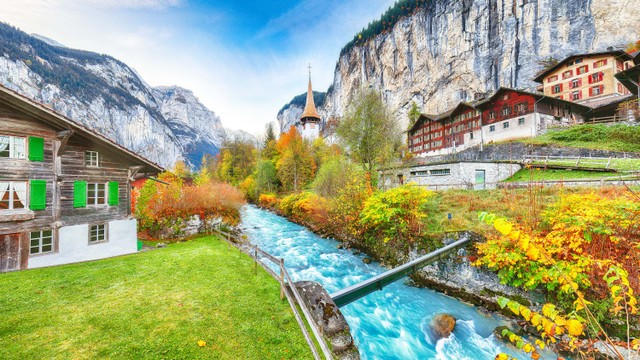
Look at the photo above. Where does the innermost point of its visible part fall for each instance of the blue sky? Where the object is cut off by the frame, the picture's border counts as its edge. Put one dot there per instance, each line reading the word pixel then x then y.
pixel 243 59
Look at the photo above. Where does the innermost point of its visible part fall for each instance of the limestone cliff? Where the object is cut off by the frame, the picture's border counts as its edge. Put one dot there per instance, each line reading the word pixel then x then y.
pixel 455 50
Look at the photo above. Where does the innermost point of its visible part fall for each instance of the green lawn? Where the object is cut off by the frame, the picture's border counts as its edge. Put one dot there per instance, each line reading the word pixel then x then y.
pixel 154 305
pixel 526 175
pixel 618 137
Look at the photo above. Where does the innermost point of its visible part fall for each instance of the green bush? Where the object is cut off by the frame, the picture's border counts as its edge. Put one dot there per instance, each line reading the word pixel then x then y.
pixel 396 215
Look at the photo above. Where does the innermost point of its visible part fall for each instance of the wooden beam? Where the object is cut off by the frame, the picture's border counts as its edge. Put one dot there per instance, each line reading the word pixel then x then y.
pixel 63 136
pixel 133 171
pixel 378 282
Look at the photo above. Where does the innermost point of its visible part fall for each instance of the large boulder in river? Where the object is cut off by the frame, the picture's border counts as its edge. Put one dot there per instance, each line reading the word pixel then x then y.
pixel 442 325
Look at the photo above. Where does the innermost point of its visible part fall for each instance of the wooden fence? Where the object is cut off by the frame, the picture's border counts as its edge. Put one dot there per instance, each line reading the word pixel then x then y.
pixel 287 289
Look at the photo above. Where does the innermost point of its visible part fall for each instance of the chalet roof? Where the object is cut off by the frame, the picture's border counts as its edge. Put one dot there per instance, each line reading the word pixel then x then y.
pixel 310 106
pixel 603 103
pixel 616 53
pixel 636 57
pixel 53 118
pixel 630 77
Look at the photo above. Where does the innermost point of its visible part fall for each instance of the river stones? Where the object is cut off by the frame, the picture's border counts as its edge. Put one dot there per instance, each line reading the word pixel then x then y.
pixel 442 326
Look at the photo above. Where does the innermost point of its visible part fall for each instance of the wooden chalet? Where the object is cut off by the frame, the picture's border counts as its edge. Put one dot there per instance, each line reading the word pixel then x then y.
pixel 508 114
pixel 64 190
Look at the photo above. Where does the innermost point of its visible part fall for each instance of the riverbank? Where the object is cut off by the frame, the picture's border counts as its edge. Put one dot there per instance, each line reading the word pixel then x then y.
pixel 557 218
pixel 389 324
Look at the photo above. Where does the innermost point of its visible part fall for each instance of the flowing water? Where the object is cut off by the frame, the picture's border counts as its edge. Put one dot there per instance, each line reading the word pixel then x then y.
pixel 388 324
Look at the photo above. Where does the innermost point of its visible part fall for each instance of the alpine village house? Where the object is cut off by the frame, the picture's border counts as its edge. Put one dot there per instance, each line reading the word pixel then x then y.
pixel 578 89
pixel 64 190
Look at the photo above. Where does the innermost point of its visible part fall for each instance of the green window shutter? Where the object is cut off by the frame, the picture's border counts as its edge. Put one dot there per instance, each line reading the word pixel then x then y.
pixel 37 194
pixel 79 194
pixel 113 193
pixel 36 148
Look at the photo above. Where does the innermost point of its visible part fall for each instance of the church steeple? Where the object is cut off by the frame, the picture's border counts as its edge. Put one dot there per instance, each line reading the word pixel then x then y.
pixel 310 113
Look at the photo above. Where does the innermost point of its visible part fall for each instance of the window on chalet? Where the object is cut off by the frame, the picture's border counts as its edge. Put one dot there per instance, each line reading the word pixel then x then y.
pixel 492 115
pixel 596 77
pixel 505 125
pixel 440 172
pixel 567 74
pixel 12 147
pixel 575 83
pixel 505 97
pixel 557 88
pixel 96 194
pixel 420 173
pixel 582 69
pixel 521 121
pixel 552 78
pixel 91 158
pixel 600 63
pixel 471 136
pixel 576 95
pixel 596 90
pixel 577 61
pixel 13 195
pixel 619 65
pixel 506 111
pixel 492 128
pixel 97 233
pixel 521 108
pixel 40 242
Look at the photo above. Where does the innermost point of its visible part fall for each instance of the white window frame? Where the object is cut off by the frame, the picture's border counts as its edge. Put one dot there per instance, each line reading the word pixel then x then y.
pixel 576 95
pixel 94 200
pixel 505 125
pixel 40 237
pixel 521 121
pixel 596 90
pixel 98 233
pixel 12 147
pixel 12 193
pixel 440 172
pixel 492 128
pixel 91 158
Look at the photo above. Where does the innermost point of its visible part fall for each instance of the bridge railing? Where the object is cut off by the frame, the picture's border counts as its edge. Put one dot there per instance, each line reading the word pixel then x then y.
pixel 287 289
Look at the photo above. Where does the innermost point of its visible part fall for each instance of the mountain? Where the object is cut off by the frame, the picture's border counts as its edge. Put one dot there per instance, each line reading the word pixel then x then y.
pixel 164 124
pixel 439 52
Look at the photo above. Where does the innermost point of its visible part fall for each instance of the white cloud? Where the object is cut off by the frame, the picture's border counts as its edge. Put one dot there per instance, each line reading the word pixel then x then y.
pixel 134 4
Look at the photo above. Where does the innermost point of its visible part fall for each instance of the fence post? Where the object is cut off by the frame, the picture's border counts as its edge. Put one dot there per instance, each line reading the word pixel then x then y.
pixel 282 279
pixel 578 161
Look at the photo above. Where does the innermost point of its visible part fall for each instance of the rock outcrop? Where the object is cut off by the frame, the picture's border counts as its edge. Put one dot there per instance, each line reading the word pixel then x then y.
pixel 163 124
pixel 450 51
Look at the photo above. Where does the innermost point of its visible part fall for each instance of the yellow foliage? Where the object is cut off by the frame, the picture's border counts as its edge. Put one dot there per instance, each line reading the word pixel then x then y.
pixel 574 327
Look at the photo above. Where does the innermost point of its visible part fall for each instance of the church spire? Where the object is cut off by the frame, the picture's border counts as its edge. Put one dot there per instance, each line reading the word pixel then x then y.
pixel 310 113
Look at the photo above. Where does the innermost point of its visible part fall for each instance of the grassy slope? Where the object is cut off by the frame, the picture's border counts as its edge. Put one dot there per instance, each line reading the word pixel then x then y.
pixel 615 137
pixel 526 175
pixel 156 304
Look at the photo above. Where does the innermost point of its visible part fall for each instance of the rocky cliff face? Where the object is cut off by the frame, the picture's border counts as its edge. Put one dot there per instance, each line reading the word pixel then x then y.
pixel 164 124
pixel 456 50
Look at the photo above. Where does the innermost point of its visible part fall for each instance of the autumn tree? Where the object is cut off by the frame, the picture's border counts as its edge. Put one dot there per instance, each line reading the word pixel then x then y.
pixel 369 130
pixel 237 160
pixel 295 166
pixel 266 177
pixel 633 47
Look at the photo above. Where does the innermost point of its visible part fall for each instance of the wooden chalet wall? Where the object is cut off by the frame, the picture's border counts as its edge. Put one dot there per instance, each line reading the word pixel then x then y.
pixel 63 164
pixel 493 110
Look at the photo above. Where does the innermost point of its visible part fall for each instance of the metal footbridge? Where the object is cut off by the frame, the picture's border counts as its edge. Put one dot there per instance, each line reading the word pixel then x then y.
pixel 378 282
